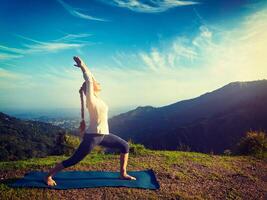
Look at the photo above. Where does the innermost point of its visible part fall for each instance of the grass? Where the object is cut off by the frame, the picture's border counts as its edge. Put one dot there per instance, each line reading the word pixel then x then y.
pixel 52 160
pixel 182 175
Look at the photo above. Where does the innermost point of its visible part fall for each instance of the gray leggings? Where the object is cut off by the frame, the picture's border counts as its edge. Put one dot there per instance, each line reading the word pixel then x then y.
pixel 90 141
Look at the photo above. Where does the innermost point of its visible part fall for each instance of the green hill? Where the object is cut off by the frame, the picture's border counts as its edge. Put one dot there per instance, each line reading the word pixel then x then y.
pixel 182 175
pixel 22 139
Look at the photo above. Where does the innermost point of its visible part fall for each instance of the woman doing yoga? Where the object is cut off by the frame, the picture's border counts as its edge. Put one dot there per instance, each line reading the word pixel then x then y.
pixel 98 131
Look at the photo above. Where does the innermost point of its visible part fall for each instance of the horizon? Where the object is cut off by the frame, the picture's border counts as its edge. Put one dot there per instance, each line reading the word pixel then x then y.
pixel 154 54
pixel 25 113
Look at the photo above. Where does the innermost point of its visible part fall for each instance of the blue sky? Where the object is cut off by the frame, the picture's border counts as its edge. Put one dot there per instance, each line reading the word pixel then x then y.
pixel 143 52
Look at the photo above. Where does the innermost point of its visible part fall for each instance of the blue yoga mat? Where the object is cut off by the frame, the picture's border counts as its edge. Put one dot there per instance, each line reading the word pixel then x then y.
pixel 89 179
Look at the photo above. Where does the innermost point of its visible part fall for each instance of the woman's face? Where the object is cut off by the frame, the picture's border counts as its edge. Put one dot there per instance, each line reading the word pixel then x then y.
pixel 97 86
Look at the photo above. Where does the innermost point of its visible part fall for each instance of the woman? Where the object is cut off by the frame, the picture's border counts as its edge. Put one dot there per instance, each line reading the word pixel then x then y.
pixel 98 130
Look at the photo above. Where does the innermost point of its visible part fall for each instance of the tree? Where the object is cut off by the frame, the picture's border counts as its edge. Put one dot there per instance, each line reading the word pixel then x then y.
pixel 254 143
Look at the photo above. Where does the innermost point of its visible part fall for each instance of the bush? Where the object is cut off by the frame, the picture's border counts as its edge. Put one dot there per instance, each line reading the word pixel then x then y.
pixel 137 149
pixel 71 143
pixel 254 143
pixel 66 144
pixel 98 150
pixel 227 152
pixel 183 147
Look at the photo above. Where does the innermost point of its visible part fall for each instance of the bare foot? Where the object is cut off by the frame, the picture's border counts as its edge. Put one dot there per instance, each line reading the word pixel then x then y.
pixel 49 181
pixel 127 177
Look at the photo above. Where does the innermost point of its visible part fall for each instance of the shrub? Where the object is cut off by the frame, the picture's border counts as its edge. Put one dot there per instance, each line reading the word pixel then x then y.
pixel 227 152
pixel 254 143
pixel 98 150
pixel 68 143
pixel 136 149
pixel 183 147
pixel 71 143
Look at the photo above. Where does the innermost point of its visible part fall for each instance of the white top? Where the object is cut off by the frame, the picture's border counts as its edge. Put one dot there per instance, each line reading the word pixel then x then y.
pixel 98 109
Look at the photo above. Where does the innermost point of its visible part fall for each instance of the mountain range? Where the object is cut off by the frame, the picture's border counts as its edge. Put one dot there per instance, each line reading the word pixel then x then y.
pixel 212 122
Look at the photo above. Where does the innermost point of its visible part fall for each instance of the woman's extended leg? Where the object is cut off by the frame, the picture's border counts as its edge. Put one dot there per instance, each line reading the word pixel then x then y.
pixel 86 146
pixel 113 141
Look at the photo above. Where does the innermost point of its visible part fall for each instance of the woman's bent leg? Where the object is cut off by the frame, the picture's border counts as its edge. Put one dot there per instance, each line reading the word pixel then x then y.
pixel 113 141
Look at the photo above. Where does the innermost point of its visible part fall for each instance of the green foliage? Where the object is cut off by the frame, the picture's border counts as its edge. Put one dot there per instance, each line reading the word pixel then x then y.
pixel 183 147
pixel 98 150
pixel 254 143
pixel 22 139
pixel 72 141
pixel 35 163
pixel 68 143
pixel 227 152
pixel 137 149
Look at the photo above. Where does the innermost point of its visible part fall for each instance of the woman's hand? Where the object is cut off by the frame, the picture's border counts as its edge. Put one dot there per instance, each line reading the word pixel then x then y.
pixel 79 62
pixel 82 126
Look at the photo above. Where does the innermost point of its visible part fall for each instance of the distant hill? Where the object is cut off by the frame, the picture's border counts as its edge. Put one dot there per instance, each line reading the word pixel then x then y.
pixel 214 121
pixel 20 139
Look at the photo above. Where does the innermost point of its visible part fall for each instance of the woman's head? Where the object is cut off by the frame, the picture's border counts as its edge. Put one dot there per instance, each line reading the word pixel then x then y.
pixel 96 85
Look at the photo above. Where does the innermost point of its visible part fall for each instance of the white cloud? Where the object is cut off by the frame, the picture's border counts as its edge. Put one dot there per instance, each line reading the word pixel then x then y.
pixel 150 6
pixel 7 74
pixel 63 43
pixel 50 47
pixel 53 46
pixel 73 37
pixel 181 69
pixel 189 67
pixel 11 49
pixel 46 87
pixel 13 81
pixel 75 13
pixel 7 56
pixel 44 47
pixel 117 61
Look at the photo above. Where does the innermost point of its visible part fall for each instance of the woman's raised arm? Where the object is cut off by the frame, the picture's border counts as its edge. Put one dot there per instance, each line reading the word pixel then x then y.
pixel 88 77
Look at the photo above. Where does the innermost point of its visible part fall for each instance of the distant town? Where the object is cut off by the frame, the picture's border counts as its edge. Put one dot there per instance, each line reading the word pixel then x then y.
pixel 68 119
pixel 69 123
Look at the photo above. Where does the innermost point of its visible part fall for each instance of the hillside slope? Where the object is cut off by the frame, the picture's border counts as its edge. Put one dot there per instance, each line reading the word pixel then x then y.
pixel 20 139
pixel 182 175
pixel 214 121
